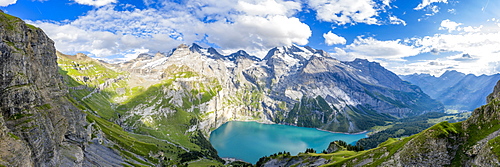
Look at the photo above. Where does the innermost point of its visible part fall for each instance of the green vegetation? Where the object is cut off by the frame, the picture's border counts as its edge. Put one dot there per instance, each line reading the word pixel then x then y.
pixel 342 145
pixel 165 137
pixel 310 150
pixel 310 112
pixel 495 145
pixel 19 116
pixel 407 127
pixel 264 159
pixel 462 135
pixel 14 136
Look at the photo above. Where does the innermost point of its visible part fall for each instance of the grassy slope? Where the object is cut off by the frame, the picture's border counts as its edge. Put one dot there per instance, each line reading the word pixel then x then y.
pixel 165 139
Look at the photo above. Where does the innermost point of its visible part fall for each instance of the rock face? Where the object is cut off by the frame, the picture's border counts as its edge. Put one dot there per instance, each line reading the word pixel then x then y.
pixel 39 126
pixel 456 90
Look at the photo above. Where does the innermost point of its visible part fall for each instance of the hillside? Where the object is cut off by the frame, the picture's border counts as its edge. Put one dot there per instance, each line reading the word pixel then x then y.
pixel 456 90
pixel 473 142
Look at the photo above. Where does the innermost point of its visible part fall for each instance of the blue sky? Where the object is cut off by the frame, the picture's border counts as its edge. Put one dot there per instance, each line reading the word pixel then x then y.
pixel 405 36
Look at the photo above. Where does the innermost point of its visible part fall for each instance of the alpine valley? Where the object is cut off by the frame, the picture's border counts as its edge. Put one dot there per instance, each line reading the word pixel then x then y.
pixel 159 110
pixel 457 91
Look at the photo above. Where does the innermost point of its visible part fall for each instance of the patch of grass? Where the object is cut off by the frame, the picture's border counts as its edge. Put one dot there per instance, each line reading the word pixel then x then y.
pixel 495 145
pixel 204 163
pixel 44 107
pixel 19 116
pixel 14 136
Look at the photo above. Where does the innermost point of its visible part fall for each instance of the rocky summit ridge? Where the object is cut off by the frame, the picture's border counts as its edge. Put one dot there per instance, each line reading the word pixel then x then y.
pixel 158 110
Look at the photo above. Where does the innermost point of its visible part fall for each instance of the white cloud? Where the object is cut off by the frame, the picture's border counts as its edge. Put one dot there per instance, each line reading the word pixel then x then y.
pixel 96 3
pixel 269 7
pixel 7 2
pixel 452 11
pixel 426 3
pixel 333 39
pixel 450 25
pixel 346 11
pixel 475 52
pixel 473 29
pixel 254 32
pixel 434 9
pixel 372 49
pixel 229 24
pixel 396 20
pixel 469 52
pixel 72 39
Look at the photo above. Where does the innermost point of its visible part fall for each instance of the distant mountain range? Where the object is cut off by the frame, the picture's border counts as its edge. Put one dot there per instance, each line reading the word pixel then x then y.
pixel 456 90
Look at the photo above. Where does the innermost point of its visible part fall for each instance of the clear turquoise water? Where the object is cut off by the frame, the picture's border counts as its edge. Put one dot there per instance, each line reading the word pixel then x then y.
pixel 249 141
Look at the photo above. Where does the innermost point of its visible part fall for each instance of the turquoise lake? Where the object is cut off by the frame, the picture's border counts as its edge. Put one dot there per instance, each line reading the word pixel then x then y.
pixel 249 141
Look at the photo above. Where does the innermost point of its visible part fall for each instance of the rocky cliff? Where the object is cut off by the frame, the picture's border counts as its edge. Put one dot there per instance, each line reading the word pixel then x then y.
pixel 456 90
pixel 474 142
pixel 39 127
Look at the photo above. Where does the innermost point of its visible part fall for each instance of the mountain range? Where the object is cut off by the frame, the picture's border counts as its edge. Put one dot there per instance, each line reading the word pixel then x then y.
pixel 158 110
pixel 456 90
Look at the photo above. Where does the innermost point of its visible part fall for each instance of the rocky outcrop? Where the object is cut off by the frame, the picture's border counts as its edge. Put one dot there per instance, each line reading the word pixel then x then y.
pixel 39 126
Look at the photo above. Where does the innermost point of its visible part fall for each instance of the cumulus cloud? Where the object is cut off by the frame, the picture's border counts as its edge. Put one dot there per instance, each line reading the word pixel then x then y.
pixel 450 25
pixel 96 3
pixel 347 11
pixel 72 39
pixel 426 3
pixel 473 52
pixel 372 49
pixel 333 39
pixel 232 25
pixel 7 2
pixel 254 32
